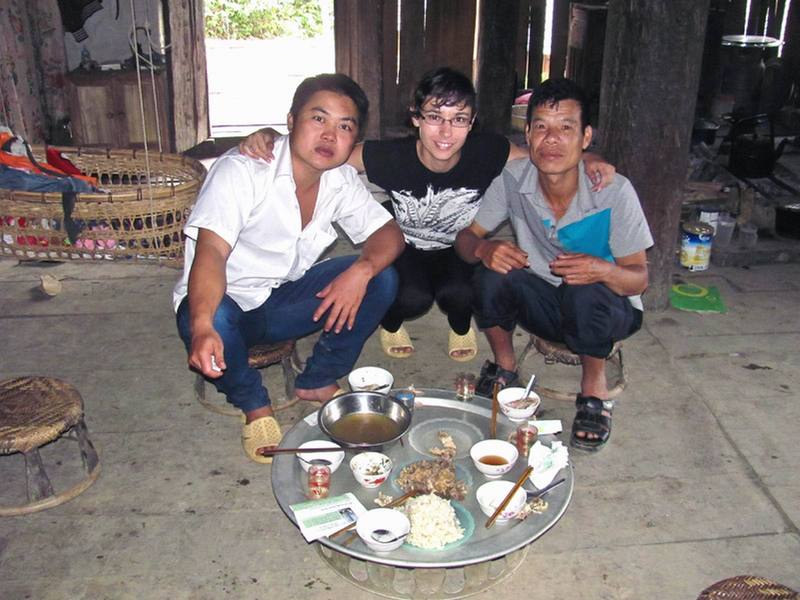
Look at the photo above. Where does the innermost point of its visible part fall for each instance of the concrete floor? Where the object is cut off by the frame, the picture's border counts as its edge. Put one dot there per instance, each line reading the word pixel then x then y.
pixel 699 482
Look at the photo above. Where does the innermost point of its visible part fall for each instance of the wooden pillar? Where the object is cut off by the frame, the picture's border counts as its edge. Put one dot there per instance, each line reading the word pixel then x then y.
pixel 187 67
pixel 648 144
pixel 536 42
pixel 560 39
pixel 359 52
pixel 496 43
pixel 791 50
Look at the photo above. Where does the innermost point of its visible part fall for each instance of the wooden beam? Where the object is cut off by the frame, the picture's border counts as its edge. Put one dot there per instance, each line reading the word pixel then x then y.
pixel 536 42
pixel 496 44
pixel 359 52
pixel 648 144
pixel 560 38
pixel 187 68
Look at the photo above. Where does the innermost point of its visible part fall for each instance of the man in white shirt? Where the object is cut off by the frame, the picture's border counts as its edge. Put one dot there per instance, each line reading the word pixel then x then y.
pixel 252 241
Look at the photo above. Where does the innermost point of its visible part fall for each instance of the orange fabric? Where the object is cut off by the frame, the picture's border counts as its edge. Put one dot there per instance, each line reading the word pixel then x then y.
pixel 25 164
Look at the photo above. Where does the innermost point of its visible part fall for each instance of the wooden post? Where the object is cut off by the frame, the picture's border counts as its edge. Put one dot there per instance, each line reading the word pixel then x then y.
pixel 560 39
pixel 536 42
pixel 359 52
pixel 187 68
pixel 496 43
pixel 647 110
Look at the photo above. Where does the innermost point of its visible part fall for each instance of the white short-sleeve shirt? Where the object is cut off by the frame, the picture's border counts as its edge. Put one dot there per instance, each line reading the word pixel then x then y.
pixel 252 205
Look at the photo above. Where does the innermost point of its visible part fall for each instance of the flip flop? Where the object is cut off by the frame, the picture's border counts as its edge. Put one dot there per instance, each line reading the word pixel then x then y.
pixel 467 342
pixel 258 434
pixel 393 342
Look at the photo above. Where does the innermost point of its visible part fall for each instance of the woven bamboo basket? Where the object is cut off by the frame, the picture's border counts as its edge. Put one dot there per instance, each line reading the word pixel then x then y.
pixel 136 217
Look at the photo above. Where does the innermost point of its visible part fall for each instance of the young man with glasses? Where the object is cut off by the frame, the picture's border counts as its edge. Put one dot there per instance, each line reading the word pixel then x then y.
pixel 435 182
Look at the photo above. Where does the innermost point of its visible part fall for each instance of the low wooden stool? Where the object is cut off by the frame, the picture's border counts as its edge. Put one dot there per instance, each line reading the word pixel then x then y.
pixel 557 352
pixel 258 357
pixel 747 587
pixel 35 411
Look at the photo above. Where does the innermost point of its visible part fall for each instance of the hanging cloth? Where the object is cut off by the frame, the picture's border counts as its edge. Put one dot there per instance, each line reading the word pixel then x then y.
pixel 74 14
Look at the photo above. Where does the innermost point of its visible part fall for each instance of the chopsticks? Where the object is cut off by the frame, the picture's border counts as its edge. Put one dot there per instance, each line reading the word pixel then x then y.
pixel 506 500
pixel 273 451
pixel 495 406
pixel 392 504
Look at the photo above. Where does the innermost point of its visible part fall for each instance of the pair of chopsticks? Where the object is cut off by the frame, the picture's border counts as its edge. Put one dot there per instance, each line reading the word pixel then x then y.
pixel 507 499
pixel 392 504
pixel 495 407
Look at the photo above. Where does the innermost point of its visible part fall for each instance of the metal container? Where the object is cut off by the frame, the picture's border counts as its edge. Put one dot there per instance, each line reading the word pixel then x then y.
pixel 696 245
pixel 364 403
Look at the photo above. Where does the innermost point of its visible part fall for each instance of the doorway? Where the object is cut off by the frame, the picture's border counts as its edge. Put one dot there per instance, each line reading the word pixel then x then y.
pixel 257 52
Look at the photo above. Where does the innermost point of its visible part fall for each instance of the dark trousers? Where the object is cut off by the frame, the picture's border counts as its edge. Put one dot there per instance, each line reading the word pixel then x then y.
pixel 427 276
pixel 587 318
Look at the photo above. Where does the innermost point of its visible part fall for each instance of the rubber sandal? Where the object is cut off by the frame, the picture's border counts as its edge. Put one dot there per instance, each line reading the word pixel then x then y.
pixel 262 432
pixel 392 342
pixel 466 343
pixel 590 419
pixel 490 373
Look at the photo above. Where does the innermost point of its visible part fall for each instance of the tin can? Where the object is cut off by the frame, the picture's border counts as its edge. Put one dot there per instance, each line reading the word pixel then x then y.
pixel 696 245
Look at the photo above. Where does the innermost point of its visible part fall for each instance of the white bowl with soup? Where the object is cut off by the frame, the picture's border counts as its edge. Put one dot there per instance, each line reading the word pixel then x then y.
pixel 493 458
pixel 370 379
pixel 515 405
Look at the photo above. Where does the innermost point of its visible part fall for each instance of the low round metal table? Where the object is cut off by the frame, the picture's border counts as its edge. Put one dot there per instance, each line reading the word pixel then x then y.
pixel 484 557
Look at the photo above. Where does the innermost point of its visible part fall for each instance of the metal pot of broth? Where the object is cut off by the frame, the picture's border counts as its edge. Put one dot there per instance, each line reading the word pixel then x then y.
pixel 364 419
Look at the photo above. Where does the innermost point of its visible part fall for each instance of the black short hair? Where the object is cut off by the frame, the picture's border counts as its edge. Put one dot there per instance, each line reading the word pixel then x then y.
pixel 552 91
pixel 446 87
pixel 332 82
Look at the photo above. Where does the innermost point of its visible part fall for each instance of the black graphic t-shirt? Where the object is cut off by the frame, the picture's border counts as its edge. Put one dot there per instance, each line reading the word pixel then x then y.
pixel 431 208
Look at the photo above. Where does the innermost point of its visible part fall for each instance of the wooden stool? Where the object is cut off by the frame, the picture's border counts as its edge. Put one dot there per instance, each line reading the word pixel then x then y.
pixel 35 411
pixel 258 357
pixel 557 352
pixel 747 587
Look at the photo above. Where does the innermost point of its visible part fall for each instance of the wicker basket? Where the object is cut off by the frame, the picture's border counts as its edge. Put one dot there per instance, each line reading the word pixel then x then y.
pixel 129 220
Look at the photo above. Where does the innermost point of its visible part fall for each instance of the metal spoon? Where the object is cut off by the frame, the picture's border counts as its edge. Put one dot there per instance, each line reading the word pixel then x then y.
pixel 379 535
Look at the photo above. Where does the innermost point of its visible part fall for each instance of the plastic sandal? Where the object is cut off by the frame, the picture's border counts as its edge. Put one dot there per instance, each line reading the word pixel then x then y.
pixel 590 419
pixel 392 343
pixel 490 373
pixel 259 434
pixel 467 344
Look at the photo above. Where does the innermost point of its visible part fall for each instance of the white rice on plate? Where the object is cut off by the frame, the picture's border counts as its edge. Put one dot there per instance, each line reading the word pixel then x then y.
pixel 433 522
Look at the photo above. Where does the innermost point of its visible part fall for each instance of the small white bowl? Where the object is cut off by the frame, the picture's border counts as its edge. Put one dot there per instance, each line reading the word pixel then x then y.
pixel 370 379
pixel 371 469
pixel 393 521
pixel 501 451
pixel 335 458
pixel 491 494
pixel 508 395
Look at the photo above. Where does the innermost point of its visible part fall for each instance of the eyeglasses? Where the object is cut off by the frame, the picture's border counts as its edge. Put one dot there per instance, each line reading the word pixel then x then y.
pixel 438 120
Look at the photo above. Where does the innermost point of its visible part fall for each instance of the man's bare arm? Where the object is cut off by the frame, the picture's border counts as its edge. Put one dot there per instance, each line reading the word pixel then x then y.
pixel 207 284
pixel 260 144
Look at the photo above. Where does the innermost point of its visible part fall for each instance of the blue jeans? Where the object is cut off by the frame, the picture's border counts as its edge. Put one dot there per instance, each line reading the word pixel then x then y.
pixel 286 315
pixel 587 318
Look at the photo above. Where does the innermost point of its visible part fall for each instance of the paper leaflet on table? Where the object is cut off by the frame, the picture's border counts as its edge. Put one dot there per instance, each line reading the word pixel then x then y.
pixel 318 518
pixel 546 462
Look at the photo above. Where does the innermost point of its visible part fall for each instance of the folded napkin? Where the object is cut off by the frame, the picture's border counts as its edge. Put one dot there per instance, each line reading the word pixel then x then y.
pixel 546 462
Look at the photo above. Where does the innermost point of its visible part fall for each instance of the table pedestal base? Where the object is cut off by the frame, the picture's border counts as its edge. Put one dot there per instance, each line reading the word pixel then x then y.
pixel 402 583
